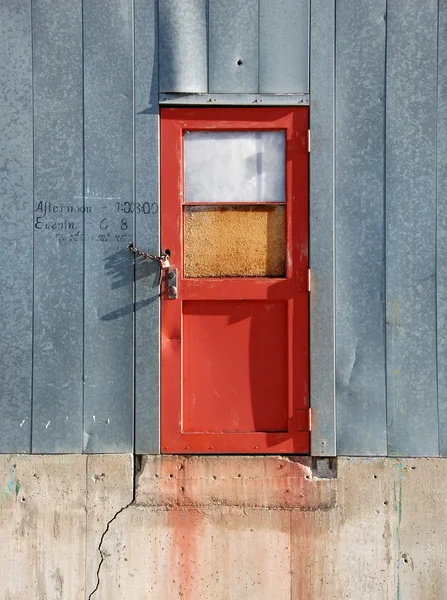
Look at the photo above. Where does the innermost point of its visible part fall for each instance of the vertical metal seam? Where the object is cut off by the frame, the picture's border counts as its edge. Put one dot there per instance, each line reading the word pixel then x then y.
pixel 134 232
pixel 334 223
pixel 436 223
pixel 157 45
pixel 385 298
pixel 158 146
pixel 156 5
pixel 258 87
pixel 83 224
pixel 309 2
pixel 33 233
pixel 207 21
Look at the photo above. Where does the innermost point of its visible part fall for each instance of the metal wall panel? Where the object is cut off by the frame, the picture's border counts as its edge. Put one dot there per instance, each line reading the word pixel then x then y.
pixel 322 321
pixel 109 174
pixel 58 226
pixel 183 45
pixel 411 227
pixel 16 238
pixel 233 46
pixel 283 46
pixel 441 275
pixel 360 294
pixel 147 306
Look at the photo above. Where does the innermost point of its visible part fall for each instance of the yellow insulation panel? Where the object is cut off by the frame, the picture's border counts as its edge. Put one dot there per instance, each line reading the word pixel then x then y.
pixel 229 241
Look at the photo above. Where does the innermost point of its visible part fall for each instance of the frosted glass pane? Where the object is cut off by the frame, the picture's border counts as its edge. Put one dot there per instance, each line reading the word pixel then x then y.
pixel 234 166
pixel 234 241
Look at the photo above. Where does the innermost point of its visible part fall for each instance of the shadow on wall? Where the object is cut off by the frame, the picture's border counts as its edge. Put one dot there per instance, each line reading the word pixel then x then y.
pixel 122 270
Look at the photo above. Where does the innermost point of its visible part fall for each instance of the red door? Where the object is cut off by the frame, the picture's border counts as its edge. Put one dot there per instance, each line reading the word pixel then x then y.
pixel 234 217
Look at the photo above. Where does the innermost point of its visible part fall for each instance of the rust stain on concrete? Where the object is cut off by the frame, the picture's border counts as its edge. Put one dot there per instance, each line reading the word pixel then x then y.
pixel 251 482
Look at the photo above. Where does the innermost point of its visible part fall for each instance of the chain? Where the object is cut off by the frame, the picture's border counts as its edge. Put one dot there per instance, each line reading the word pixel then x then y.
pixel 163 259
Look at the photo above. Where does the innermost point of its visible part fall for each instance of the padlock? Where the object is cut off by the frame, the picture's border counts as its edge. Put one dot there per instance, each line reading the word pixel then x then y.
pixel 164 262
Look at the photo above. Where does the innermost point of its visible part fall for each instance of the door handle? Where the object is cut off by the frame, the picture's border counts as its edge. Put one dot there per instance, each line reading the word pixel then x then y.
pixel 172 283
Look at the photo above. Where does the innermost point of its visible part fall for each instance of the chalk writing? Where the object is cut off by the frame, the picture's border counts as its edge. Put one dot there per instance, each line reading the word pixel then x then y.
pixel 48 213
pixel 146 208
pixel 69 224
pixel 64 238
pixel 45 208
pixel 40 224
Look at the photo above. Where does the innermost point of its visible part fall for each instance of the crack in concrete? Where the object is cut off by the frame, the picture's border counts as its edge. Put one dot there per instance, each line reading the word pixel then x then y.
pixel 101 553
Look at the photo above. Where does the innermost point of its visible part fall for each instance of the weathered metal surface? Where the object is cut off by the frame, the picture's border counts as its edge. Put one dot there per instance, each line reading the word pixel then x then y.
pixel 415 172
pixel 16 239
pixel 233 46
pixel 109 179
pixel 183 26
pixel 283 46
pixel 411 227
pixel 235 99
pixel 321 207
pixel 147 306
pixel 58 226
pixel 441 262
pixel 359 168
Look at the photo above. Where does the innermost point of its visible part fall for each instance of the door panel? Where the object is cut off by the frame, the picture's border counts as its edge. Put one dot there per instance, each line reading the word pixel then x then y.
pixel 235 366
pixel 235 337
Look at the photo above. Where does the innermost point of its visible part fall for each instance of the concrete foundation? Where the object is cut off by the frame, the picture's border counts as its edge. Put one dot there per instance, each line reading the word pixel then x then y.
pixel 222 528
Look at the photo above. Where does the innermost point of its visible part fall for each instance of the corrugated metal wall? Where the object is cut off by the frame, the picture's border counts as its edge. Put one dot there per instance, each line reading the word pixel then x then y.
pixel 79 83
pixel 234 46
pixel 390 165
pixel 78 182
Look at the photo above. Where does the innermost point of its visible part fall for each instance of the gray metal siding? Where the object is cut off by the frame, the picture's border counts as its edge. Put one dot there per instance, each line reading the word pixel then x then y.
pixel 16 232
pixel 322 256
pixel 233 46
pixel 79 127
pixel 58 226
pixel 390 176
pixel 441 262
pixel 147 301
pixel 283 46
pixel 411 227
pixel 359 167
pixel 183 45
pixel 77 162
pixel 109 180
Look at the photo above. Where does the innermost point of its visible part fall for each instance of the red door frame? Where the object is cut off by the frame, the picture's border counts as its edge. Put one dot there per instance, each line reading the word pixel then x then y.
pixel 293 288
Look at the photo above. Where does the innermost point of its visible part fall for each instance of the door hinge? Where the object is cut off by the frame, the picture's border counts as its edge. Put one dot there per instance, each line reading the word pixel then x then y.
pixel 309 280
pixel 304 420
pixel 303 280
pixel 308 140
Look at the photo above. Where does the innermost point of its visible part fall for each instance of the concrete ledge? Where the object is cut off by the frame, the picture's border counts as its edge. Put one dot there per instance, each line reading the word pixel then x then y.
pixel 251 482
